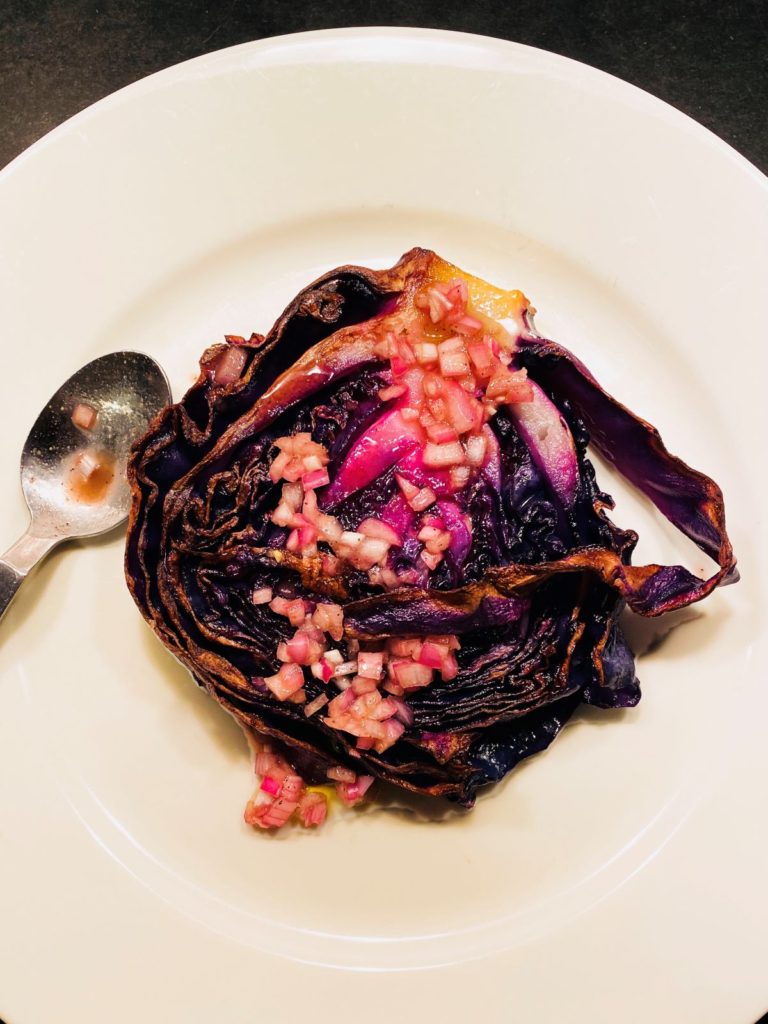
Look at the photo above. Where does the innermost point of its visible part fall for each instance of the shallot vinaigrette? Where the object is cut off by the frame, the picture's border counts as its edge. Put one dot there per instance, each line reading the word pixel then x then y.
pixel 90 476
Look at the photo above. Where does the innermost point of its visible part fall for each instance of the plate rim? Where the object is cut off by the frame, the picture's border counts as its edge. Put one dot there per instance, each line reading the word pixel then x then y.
pixel 210 62
pixel 330 37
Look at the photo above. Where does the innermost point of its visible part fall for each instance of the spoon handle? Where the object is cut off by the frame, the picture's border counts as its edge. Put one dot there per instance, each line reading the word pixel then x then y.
pixel 17 562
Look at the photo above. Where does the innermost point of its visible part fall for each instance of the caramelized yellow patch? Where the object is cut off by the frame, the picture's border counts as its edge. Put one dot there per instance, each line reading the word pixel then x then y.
pixel 328 791
pixel 483 297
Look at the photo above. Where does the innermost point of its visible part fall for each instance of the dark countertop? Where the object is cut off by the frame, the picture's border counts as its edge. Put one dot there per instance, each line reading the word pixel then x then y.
pixel 709 59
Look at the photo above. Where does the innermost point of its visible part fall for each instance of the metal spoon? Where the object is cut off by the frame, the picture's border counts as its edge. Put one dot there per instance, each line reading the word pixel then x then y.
pixel 74 479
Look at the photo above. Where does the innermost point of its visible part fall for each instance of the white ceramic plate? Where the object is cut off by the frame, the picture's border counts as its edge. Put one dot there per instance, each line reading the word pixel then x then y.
pixel 618 877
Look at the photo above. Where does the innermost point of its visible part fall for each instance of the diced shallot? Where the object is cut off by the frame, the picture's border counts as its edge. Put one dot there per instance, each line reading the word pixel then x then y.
pixel 411 675
pixel 262 595
pixel 307 540
pixel 331 565
pixel 299 648
pixel 339 705
pixel 330 619
pixel 292 787
pixel 87 465
pixel 269 811
pixel 393 391
pixel 339 774
pixel 279 605
pixel 271 815
pixel 408 489
pixel 391 579
pixel 393 730
pixel 380 531
pixel 315 478
pixel 315 705
pixel 362 685
pixel 447 639
pixel 384 710
pixel 293 544
pixel 475 447
pixel 426 352
pixel 403 648
pixel 283 514
pixel 511 387
pixel 383 348
pixel 298 456
pixel 453 344
pixel 450 668
pixel 312 809
pixel 458 295
pixel 365 704
pixel 369 553
pixel 352 793
pixel 84 416
pixel 297 611
pixel 370 664
pixel 453 358
pixel 282 652
pixel 444 301
pixel 423 499
pixel 346 668
pixel 293 495
pixel 431 559
pixel 466 324
pixel 434 385
pixel 482 358
pixel 350 539
pixel 428 532
pixel 463 410
pixel 433 654
pixel 436 545
pixel 401 355
pixel 375 576
pixel 229 365
pixel 441 433
pixel 313 632
pixel 436 302
pixel 287 681
pixel 459 476
pixel 322 670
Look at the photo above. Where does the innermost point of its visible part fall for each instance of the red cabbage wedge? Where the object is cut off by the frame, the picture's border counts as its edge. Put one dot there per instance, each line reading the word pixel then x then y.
pixel 374 537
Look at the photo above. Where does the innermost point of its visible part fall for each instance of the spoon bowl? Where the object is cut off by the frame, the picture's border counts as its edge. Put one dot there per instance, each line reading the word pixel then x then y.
pixel 125 390
pixel 74 476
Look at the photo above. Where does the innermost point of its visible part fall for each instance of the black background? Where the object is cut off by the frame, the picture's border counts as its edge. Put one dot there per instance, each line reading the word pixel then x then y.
pixel 708 58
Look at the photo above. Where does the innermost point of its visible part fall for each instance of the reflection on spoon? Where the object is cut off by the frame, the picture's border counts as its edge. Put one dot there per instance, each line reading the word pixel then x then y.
pixel 73 465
